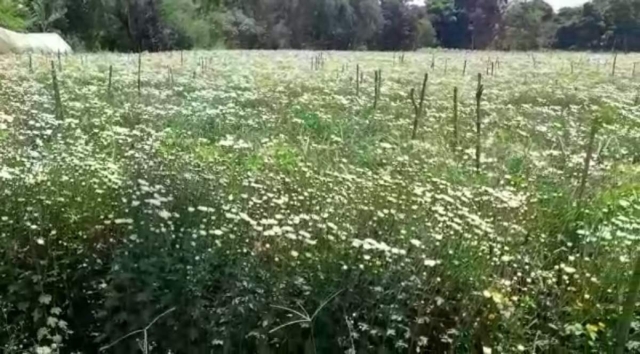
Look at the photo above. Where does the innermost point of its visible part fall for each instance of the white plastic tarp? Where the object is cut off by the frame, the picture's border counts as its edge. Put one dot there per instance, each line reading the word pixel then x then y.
pixel 14 42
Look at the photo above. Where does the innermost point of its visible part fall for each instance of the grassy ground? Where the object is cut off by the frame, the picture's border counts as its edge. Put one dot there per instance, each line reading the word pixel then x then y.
pixel 262 200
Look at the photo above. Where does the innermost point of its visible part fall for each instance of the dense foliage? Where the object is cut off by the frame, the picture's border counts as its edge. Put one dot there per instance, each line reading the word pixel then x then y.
pixel 155 25
pixel 246 190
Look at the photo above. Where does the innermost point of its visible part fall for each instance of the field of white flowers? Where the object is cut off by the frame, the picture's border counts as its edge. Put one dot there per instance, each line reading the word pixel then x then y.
pixel 291 202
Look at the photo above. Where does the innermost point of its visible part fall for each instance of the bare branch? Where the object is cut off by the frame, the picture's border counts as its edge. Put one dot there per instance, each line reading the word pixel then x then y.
pixel 136 332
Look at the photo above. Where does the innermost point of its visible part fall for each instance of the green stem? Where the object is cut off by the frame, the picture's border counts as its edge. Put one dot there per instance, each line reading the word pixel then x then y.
pixel 624 323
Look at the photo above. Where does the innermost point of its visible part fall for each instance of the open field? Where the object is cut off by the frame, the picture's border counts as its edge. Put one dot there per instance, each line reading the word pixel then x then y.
pixel 263 200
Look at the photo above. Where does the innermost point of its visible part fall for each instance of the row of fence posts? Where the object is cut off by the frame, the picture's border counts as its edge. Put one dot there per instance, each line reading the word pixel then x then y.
pixel 318 62
pixel 56 87
pixel 418 108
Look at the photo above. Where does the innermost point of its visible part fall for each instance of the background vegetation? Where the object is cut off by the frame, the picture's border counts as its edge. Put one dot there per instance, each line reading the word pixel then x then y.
pixel 154 25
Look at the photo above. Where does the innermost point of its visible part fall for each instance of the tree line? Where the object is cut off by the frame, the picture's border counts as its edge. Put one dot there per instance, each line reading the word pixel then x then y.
pixel 154 25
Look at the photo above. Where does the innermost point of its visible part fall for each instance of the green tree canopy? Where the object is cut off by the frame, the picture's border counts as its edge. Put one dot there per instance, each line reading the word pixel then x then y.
pixel 153 25
pixel 527 25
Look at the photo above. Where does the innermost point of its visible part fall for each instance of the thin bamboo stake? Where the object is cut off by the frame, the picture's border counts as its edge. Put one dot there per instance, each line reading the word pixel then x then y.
pixel 418 108
pixel 56 93
pixel 139 69
pixel 109 83
pixel 595 126
pixel 375 90
pixel 358 80
pixel 455 118
pixel 479 92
